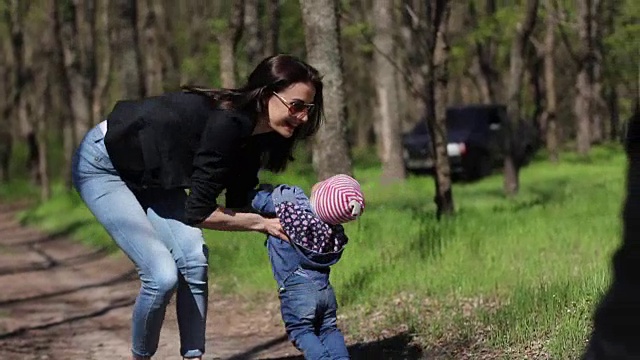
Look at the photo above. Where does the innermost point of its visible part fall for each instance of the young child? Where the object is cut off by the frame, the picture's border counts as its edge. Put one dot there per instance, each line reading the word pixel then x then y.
pixel 301 265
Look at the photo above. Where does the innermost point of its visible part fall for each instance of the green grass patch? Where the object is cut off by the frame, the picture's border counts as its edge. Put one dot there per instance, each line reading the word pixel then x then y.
pixel 533 265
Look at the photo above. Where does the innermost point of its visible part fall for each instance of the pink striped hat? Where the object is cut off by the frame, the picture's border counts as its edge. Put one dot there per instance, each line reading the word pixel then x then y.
pixel 338 199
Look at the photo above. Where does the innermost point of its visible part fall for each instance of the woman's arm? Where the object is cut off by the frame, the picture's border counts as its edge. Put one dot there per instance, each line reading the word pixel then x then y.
pixel 213 164
pixel 227 220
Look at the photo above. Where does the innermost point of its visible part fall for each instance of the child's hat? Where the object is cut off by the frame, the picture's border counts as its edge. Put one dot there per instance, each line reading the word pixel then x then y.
pixel 338 199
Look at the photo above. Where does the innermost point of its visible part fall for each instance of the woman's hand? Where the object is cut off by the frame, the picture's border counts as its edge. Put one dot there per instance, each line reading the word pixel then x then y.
pixel 274 228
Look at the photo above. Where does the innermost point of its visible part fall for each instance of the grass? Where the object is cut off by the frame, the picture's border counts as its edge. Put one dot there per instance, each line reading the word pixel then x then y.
pixel 512 275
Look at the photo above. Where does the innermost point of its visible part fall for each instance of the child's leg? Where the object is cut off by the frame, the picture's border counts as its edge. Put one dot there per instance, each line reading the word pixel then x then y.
pixel 330 335
pixel 298 304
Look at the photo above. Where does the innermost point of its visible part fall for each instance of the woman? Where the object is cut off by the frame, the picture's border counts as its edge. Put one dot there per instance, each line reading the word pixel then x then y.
pixel 132 171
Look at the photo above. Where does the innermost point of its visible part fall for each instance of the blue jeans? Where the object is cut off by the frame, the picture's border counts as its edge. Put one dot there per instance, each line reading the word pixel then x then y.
pixel 309 313
pixel 169 255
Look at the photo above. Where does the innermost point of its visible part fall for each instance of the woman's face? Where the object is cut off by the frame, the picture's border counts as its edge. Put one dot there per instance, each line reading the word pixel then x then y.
pixel 290 107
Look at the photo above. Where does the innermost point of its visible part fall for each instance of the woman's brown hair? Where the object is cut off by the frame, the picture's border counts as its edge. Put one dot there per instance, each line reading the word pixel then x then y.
pixel 273 74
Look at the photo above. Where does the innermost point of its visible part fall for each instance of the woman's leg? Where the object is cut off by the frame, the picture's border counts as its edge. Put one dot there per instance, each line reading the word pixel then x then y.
pixel 117 208
pixel 190 253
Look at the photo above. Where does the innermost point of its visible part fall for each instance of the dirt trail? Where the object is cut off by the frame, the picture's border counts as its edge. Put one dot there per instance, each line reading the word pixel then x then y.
pixel 62 300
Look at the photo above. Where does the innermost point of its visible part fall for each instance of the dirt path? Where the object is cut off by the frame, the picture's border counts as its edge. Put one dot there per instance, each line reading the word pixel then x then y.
pixel 62 300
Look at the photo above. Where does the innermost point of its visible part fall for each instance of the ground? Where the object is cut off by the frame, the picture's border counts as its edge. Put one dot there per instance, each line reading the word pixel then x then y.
pixel 64 300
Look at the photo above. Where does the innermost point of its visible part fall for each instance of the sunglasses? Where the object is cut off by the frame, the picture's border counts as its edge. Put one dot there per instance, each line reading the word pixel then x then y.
pixel 296 106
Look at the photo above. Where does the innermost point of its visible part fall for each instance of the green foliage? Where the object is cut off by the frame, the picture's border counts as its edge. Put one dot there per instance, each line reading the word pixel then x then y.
pixel 291 38
pixel 489 28
pixel 18 190
pixel 621 46
pixel 360 35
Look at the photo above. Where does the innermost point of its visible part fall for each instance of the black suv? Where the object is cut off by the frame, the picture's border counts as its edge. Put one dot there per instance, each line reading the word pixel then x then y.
pixel 475 142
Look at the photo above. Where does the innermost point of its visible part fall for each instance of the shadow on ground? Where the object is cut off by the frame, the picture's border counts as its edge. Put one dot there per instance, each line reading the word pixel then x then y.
pixel 394 348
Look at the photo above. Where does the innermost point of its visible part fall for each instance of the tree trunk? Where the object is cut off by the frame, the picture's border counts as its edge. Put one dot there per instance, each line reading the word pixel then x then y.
pixel 76 69
pixel 85 13
pixel 386 88
pixel 614 113
pixel 43 155
pixel 331 153
pixel 6 138
pixel 514 85
pixel 126 49
pixel 438 14
pixel 581 109
pixel 588 100
pixel 41 101
pixel 534 76
pixel 102 51
pixel 486 76
pixel 252 24
pixel 271 46
pixel 610 12
pixel 152 67
pixel 169 14
pixel 550 111
pixel 598 103
pixel 68 136
pixel 15 12
pixel 228 40
pixel 412 32
pixel 195 17
pixel 363 102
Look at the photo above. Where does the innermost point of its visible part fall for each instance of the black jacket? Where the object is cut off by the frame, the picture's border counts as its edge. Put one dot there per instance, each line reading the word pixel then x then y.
pixel 181 140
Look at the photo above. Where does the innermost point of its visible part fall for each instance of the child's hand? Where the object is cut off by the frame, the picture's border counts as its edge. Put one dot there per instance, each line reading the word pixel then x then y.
pixel 274 228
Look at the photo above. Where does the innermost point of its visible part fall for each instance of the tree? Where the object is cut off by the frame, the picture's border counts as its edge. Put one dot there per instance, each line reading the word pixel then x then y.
pixel 42 101
pixel 355 22
pixel 429 27
pixel 103 61
pixel 78 65
pixel 6 138
pixel 14 13
pixel 414 39
pixel 387 94
pixel 549 114
pixel 126 48
pixel 331 154
pixel 150 18
pixel 192 21
pixel 513 154
pixel 588 101
pixel 271 46
pixel 253 28
pixel 228 40
pixel 68 133
pixel 486 76
pixel 436 100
